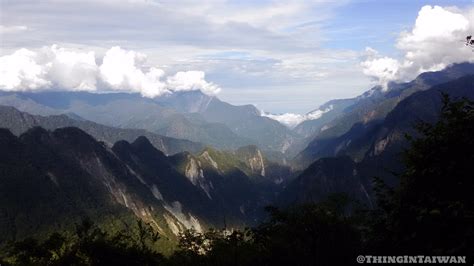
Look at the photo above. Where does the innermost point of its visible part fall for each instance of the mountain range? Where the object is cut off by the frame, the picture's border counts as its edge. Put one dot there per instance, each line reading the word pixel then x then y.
pixel 205 119
pixel 189 115
pixel 52 178
pixel 352 117
pixel 189 160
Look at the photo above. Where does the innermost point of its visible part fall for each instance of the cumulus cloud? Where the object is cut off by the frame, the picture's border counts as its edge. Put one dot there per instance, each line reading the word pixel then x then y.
pixel 122 70
pixel 383 69
pixel 54 68
pixel 70 69
pixel 292 120
pixel 49 67
pixel 192 80
pixel 21 71
pixel 434 42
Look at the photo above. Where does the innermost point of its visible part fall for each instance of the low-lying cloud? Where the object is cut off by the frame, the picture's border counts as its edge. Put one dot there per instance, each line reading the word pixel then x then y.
pixel 292 120
pixel 434 42
pixel 55 68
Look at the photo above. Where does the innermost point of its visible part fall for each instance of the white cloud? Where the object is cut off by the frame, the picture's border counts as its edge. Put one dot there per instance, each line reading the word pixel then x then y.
pixel 434 42
pixel 276 14
pixel 192 80
pixel 12 29
pixel 288 119
pixel 71 69
pixel 289 35
pixel 49 67
pixel 21 71
pixel 122 70
pixel 66 69
pixel 435 23
pixel 382 69
pixel 292 120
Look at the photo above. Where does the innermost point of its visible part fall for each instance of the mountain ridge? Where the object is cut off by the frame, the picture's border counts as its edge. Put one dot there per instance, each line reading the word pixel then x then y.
pixel 371 107
pixel 18 122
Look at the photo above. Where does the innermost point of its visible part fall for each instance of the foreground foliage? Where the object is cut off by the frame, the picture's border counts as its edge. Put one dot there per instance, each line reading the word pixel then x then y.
pixel 301 235
pixel 89 245
pixel 432 210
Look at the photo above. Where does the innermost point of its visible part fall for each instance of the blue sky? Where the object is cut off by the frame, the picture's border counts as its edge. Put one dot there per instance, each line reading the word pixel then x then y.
pixel 376 23
pixel 282 56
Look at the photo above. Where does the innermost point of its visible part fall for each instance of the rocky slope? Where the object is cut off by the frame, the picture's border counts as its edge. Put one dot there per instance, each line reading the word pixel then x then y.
pixel 377 146
pixel 367 111
pixel 51 179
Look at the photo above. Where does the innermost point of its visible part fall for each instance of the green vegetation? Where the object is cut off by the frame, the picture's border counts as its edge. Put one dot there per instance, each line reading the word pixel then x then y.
pixel 89 245
pixel 303 235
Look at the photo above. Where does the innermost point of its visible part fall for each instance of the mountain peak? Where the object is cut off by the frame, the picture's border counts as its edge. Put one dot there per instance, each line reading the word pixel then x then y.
pixel 186 101
pixel 6 136
pixel 144 145
pixel 142 141
pixel 35 133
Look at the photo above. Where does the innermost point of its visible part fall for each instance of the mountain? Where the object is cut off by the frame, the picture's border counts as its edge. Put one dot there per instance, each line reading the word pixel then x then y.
pixel 377 103
pixel 369 109
pixel 225 180
pixel 59 167
pixel 260 163
pixel 19 122
pixel 247 121
pixel 186 101
pixel 124 110
pixel 235 193
pixel 50 180
pixel 388 140
pixel 184 115
pixel 325 177
pixel 249 159
pixel 243 120
pixel 377 145
pixel 330 111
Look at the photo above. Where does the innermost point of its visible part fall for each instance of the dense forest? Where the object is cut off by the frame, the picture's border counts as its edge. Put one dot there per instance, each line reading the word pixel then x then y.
pixel 430 212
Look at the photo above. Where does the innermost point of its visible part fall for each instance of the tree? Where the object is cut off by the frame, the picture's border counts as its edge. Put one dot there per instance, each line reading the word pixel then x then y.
pixel 432 211
pixel 308 234
pixel 88 246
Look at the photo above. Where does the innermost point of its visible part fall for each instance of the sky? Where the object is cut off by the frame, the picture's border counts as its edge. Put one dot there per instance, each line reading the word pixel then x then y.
pixel 285 57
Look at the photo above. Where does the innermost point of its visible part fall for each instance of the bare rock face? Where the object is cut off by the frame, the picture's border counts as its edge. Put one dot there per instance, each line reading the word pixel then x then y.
pixel 195 174
pixel 257 164
pixel 68 173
